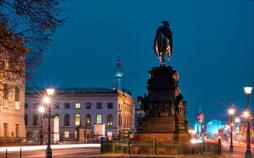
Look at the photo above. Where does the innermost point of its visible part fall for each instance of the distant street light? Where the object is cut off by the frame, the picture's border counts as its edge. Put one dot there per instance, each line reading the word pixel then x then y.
pixel 47 101
pixel 237 120
pixel 41 110
pixel 231 112
pixel 247 115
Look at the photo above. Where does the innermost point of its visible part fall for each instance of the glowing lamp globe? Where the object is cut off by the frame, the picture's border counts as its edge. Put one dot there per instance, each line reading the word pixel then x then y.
pixel 231 111
pixel 46 100
pixel 237 120
pixel 247 90
pixel 246 114
pixel 50 91
pixel 41 109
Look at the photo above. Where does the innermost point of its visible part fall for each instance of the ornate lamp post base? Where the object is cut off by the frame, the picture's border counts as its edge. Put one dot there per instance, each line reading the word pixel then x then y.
pixel 248 154
pixel 48 152
pixel 231 148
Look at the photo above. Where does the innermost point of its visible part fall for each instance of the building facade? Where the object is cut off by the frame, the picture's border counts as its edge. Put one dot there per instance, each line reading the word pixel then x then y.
pixel 12 83
pixel 82 114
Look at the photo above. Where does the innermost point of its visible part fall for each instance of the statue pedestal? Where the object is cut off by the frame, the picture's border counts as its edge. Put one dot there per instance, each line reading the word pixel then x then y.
pixel 164 109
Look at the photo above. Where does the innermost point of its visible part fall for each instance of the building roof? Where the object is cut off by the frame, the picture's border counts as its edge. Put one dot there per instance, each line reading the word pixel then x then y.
pixel 64 91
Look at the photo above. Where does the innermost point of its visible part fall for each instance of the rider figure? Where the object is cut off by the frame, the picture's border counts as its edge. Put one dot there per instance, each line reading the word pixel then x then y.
pixel 165 31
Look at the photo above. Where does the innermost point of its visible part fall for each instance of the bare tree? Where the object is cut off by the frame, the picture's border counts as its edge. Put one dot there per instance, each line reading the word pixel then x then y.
pixel 26 24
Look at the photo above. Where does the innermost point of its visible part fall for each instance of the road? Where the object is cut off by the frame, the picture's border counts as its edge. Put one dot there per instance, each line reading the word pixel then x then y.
pixel 94 152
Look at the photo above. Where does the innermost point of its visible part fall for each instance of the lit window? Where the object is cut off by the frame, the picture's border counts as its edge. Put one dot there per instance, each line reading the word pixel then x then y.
pixel 77 105
pixel 76 134
pixel 17 105
pixel 66 134
pixel 98 118
pixel 109 120
pixel 109 134
pixel 6 64
pixel 77 120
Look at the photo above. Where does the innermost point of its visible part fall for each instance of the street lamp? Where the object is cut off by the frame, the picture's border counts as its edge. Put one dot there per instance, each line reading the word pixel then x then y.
pixel 247 115
pixel 237 120
pixel 47 101
pixel 41 110
pixel 231 112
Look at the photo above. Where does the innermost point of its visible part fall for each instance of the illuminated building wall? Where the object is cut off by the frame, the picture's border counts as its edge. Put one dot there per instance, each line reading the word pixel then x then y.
pixel 82 108
pixel 212 127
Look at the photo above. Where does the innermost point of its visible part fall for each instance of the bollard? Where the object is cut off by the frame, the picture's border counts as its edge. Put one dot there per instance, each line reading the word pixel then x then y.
pixel 113 147
pixel 20 153
pixel 219 146
pixel 154 147
pixel 6 153
pixel 129 150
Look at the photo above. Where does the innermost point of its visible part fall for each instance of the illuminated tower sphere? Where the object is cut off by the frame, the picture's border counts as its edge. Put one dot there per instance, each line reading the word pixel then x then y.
pixel 118 71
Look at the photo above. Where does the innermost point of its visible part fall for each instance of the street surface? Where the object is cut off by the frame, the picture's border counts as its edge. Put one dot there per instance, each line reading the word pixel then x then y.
pixel 61 151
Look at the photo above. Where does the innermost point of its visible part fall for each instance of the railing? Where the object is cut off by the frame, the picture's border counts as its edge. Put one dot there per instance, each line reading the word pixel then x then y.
pixel 157 148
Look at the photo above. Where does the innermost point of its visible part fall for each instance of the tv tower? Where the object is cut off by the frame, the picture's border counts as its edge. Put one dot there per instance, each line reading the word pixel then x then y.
pixel 118 71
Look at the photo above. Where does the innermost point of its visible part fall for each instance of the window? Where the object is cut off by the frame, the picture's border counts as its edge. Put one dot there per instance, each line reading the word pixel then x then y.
pixel 76 134
pixel 26 105
pixel 26 119
pixel 66 134
pixel 57 106
pixel 98 105
pixel 88 120
pixel 119 120
pixel 5 129
pixel 99 118
pixel 109 134
pixel 67 105
pixel 16 94
pixel 66 120
pixel 35 105
pixel 88 105
pixel 110 105
pixel 77 105
pixel 17 104
pixel 77 120
pixel 109 120
pixel 5 96
pixel 35 120
pixel 6 64
pixel 17 130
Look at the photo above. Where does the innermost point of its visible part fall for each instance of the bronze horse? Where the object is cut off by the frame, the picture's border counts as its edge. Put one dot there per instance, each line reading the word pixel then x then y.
pixel 163 43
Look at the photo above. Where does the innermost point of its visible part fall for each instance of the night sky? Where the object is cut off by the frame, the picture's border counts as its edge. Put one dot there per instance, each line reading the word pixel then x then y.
pixel 213 45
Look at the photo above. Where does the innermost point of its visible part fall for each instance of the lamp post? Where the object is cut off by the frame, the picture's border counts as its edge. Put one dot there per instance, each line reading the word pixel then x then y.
pixel 247 115
pixel 47 100
pixel 231 112
pixel 41 110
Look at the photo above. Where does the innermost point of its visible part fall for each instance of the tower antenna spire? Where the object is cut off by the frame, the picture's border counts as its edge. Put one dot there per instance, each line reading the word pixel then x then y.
pixel 118 71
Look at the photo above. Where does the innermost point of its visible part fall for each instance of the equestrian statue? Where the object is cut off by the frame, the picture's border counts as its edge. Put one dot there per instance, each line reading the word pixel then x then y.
pixel 163 42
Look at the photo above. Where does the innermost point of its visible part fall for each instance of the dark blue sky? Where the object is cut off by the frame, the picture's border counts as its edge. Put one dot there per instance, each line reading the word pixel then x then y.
pixel 213 44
